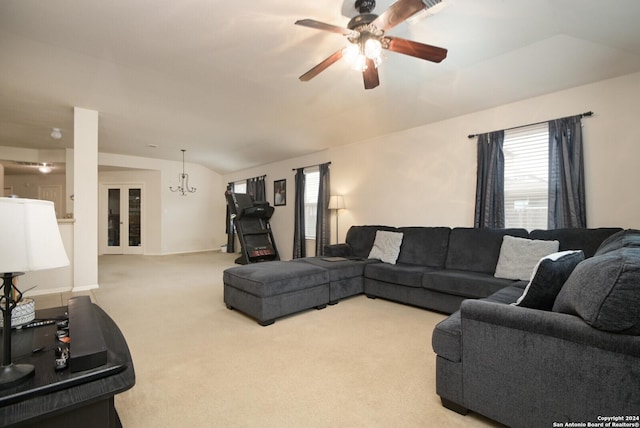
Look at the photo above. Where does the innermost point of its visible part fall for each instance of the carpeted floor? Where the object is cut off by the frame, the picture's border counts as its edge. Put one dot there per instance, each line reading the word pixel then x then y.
pixel 360 363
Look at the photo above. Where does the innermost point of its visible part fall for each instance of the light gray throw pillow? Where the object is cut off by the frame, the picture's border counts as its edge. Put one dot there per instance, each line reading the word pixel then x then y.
pixel 386 246
pixel 519 256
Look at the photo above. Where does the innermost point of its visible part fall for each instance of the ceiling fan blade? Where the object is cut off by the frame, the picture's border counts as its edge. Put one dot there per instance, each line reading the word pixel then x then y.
pixel 370 75
pixel 321 66
pixel 416 49
pixel 397 13
pixel 312 23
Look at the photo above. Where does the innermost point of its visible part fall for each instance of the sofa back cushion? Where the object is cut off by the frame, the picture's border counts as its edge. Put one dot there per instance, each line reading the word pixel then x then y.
pixel 424 246
pixel 622 239
pixel 477 250
pixel 587 240
pixel 361 238
pixel 605 292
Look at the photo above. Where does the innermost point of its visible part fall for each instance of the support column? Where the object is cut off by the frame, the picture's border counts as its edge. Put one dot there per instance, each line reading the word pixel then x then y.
pixel 85 200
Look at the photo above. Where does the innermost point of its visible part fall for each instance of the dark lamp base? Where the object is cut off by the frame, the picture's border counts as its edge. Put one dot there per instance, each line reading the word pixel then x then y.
pixel 14 373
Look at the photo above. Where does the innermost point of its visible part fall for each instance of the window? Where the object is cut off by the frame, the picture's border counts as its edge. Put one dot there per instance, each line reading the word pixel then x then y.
pixel 240 186
pixel 526 176
pixel 311 186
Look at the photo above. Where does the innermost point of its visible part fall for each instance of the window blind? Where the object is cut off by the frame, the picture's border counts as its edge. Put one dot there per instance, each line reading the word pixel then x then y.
pixel 526 176
pixel 311 187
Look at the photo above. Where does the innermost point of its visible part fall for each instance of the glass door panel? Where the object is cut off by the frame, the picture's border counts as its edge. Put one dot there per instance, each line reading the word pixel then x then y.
pixel 135 227
pixel 113 227
pixel 122 219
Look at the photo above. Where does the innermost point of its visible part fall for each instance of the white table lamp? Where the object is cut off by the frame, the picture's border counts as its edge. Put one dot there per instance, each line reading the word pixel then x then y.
pixel 30 241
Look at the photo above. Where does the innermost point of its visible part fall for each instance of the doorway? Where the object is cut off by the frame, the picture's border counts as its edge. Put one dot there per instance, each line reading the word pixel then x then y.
pixel 121 209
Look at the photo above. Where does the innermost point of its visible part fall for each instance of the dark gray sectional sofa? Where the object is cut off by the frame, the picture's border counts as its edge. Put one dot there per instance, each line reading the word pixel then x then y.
pixel 576 363
pixel 439 267
pixel 520 366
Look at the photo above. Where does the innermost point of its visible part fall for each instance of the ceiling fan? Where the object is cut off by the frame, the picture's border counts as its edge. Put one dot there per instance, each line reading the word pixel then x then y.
pixel 367 37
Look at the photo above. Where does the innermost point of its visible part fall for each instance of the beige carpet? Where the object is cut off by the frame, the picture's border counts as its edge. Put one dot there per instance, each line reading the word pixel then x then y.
pixel 360 363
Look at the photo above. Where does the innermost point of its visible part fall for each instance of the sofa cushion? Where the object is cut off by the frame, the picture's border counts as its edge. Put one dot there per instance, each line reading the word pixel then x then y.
pixel 275 277
pixel 518 256
pixel 548 277
pixel 338 270
pixel 425 246
pixel 587 240
pixel 621 239
pixel 360 239
pixel 605 292
pixel 508 294
pixel 386 246
pixel 401 274
pixel 463 283
pixel 446 339
pixel 477 250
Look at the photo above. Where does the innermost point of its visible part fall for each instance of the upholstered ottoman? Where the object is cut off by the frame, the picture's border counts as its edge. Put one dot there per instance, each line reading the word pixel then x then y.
pixel 346 276
pixel 270 290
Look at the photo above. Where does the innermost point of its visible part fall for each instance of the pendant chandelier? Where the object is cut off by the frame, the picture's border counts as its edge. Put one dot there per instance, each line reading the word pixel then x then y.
pixel 183 178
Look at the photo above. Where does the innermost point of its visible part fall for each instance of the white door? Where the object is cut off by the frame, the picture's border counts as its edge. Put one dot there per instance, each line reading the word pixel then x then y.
pixel 121 219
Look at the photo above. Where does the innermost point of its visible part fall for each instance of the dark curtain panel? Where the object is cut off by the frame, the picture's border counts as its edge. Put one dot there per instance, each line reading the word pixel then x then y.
pixel 323 227
pixel 256 188
pixel 567 207
pixel 299 244
pixel 490 183
pixel 229 229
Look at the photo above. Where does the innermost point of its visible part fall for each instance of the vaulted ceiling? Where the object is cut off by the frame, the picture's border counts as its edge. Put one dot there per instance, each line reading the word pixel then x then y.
pixel 220 79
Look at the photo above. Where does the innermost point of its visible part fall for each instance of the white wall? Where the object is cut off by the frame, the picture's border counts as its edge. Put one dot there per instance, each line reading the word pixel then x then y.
pixel 425 176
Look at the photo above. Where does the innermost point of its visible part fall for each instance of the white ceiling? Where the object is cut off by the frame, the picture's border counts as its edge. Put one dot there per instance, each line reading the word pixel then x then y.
pixel 220 79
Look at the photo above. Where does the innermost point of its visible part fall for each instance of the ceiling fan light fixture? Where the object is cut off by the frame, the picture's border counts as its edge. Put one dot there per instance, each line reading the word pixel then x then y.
pixel 373 49
pixel 353 55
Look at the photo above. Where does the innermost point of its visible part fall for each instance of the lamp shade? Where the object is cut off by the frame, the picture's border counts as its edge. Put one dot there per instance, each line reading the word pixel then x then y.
pixel 30 236
pixel 336 202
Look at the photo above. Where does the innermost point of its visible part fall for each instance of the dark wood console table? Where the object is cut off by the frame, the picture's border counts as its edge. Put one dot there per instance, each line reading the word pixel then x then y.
pixel 63 398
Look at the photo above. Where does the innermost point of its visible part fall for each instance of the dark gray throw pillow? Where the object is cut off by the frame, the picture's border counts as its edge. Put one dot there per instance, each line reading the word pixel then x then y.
pixel 622 239
pixel 605 292
pixel 548 277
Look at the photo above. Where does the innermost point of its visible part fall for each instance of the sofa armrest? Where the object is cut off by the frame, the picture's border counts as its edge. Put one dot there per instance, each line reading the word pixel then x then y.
pixel 338 250
pixel 524 366
pixel 558 325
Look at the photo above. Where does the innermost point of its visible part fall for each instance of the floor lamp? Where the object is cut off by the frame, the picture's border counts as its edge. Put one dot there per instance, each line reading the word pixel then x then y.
pixel 31 241
pixel 336 203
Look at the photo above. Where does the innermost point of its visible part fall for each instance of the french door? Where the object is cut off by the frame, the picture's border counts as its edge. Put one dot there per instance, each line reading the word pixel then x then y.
pixel 121 219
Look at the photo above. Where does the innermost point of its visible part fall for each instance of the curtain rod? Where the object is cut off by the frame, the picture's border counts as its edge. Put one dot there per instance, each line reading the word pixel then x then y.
pixel 260 176
pixel 311 166
pixel 586 114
